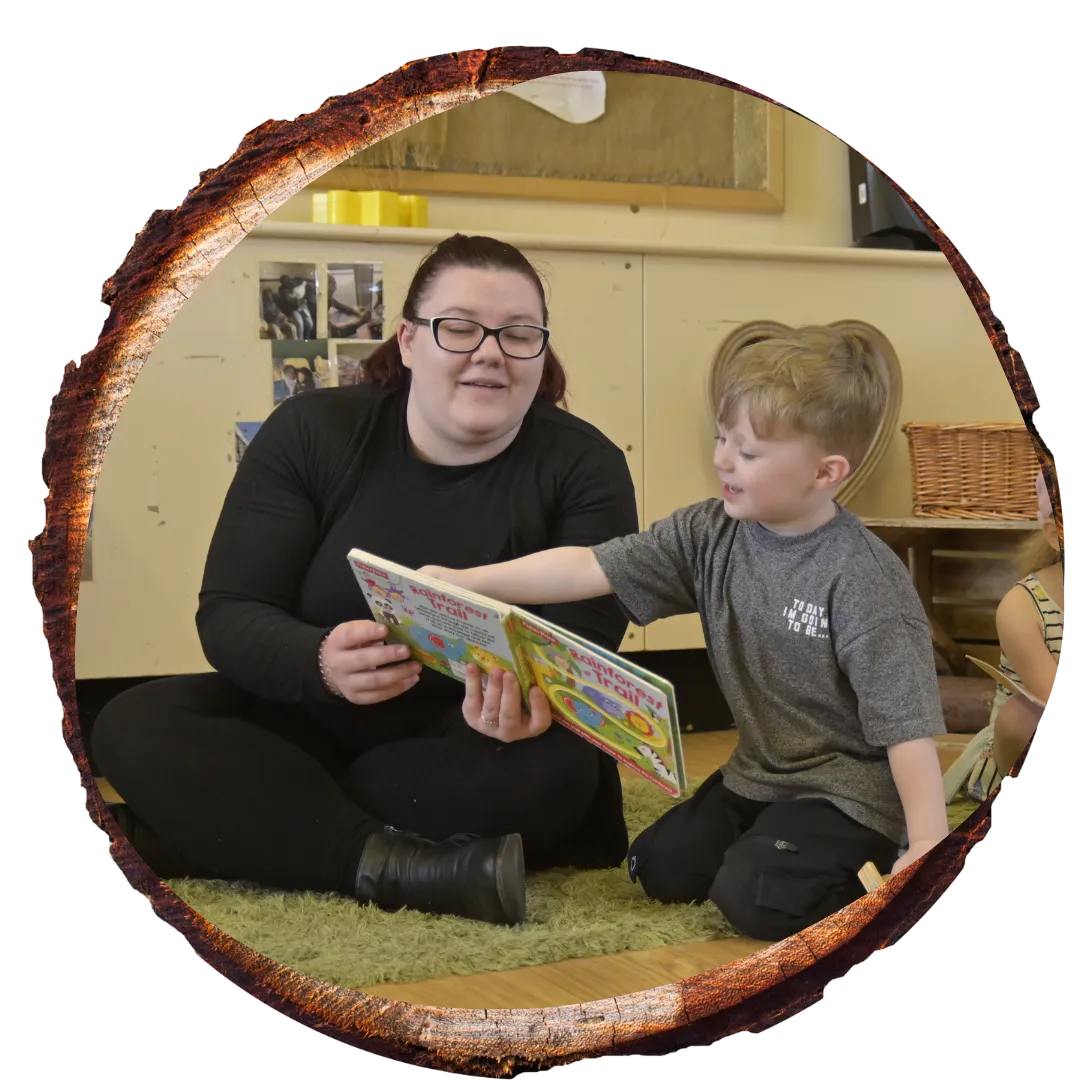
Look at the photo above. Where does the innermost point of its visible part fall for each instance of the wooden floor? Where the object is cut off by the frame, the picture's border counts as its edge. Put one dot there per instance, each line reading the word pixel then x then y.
pixel 572 982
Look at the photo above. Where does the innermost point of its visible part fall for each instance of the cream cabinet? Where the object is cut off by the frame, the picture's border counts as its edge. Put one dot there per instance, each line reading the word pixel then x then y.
pixel 636 327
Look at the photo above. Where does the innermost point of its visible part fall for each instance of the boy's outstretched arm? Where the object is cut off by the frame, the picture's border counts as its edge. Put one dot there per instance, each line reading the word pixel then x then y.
pixel 557 576
pixel 917 774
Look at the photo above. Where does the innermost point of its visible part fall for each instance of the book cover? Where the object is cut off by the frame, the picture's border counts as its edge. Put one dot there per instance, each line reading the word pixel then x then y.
pixel 445 628
pixel 618 706
pixel 622 708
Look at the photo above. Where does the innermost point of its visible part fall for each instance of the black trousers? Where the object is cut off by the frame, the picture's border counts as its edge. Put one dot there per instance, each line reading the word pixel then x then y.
pixel 238 788
pixel 772 868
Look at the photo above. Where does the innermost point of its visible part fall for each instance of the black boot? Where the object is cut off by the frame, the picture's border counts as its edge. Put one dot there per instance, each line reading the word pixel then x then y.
pixel 468 876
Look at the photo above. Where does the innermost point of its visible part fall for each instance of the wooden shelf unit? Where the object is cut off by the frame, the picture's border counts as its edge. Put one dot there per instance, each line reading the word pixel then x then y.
pixel 961 569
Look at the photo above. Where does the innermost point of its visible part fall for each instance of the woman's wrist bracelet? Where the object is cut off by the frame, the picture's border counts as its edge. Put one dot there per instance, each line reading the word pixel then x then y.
pixel 324 673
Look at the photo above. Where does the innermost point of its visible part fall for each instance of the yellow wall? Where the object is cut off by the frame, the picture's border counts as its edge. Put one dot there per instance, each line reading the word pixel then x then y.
pixel 636 328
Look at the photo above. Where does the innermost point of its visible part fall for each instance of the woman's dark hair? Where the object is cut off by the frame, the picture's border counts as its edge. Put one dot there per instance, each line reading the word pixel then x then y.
pixel 384 366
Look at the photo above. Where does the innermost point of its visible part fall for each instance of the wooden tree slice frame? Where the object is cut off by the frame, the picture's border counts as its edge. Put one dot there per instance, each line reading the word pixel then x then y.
pixel 170 256
pixel 885 357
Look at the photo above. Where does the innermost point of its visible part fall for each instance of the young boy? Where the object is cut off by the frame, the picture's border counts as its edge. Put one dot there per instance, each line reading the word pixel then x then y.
pixel 816 636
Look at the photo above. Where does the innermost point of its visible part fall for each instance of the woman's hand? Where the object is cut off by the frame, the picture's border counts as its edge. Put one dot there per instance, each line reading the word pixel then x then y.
pixel 364 670
pixel 497 711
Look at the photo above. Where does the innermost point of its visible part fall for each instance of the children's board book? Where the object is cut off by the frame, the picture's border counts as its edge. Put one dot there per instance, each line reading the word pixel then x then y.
pixel 623 709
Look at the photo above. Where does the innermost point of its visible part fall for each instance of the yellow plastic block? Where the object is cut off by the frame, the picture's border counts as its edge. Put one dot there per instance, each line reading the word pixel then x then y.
pixel 380 208
pixel 335 208
pixel 368 208
pixel 414 211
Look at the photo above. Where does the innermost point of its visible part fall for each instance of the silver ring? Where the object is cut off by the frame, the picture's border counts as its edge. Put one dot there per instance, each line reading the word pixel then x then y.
pixel 490 723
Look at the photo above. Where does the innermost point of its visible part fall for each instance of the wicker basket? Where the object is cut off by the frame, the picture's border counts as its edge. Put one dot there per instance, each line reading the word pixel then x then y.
pixel 973 471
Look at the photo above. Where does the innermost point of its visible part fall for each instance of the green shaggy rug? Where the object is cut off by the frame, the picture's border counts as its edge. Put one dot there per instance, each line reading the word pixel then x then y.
pixel 571 913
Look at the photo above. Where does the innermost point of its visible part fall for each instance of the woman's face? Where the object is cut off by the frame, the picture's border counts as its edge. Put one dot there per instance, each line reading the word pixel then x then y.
pixel 465 401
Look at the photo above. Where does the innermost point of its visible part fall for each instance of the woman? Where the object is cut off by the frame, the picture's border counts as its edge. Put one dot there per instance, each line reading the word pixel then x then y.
pixel 317 757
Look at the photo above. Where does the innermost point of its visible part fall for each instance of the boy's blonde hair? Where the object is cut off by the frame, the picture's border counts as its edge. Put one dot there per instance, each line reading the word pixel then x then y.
pixel 816 382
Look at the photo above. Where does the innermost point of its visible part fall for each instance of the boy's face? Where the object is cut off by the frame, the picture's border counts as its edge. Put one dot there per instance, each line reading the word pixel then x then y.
pixel 785 483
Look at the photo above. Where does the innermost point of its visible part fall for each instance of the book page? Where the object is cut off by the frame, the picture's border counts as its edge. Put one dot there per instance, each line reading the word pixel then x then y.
pixel 443 630
pixel 614 704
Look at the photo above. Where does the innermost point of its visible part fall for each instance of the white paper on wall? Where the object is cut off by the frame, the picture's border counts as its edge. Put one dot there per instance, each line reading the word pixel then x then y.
pixel 575 96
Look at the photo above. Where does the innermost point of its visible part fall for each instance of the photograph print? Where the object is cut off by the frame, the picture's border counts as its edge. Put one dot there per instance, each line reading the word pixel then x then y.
pixel 288 293
pixel 299 367
pixel 354 301
pixel 348 360
pixel 244 432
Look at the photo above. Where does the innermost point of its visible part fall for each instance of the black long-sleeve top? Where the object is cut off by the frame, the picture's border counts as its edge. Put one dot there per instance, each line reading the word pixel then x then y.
pixel 333 470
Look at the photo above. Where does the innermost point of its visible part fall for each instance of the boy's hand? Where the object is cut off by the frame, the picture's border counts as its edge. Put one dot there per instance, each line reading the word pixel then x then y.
pixel 441 573
pixel 497 710
pixel 913 854
pixel 556 576
pixel 916 772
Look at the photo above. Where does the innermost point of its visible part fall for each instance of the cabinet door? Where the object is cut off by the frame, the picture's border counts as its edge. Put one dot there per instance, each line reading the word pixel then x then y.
pixel 595 307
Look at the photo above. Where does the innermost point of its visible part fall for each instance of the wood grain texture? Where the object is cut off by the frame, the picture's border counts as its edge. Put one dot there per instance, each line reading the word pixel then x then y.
pixel 174 251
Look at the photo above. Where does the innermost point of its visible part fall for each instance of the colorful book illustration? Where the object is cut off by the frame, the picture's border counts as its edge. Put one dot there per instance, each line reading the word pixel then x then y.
pixel 616 705
pixel 1002 679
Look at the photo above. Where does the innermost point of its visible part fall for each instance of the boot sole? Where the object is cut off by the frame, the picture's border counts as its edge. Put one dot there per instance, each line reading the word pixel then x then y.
pixel 510 879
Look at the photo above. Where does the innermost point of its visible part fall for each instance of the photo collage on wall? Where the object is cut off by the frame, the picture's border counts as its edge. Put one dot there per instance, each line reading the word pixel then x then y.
pixel 322 322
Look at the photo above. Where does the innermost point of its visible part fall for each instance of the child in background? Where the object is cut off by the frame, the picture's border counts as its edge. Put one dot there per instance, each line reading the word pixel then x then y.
pixel 1029 624
pixel 815 633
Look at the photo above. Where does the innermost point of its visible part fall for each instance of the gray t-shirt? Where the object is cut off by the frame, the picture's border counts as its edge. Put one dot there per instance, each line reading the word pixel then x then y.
pixel 819 643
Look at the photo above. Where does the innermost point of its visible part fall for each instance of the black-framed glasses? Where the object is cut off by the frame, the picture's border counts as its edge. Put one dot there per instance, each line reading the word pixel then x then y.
pixel 522 341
